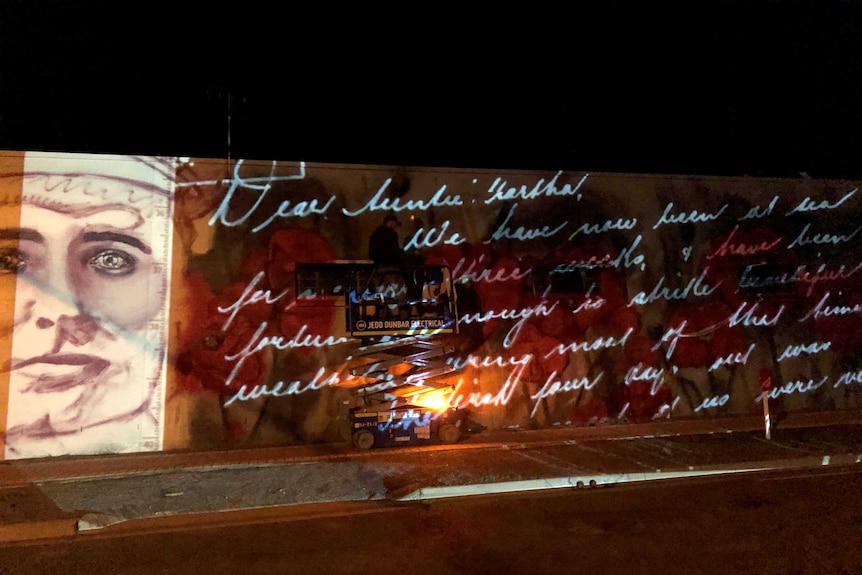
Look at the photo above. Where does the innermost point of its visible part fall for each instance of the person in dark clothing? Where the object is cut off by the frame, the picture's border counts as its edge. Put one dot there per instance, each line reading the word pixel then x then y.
pixel 384 246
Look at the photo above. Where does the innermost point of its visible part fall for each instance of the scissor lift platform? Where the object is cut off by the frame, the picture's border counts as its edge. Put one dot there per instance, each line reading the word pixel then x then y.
pixel 399 313
pixel 397 378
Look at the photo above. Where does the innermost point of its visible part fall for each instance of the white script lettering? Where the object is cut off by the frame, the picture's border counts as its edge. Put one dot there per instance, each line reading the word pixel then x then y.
pixel 498 191
pixel 379 202
pixel 686 218
pixel 284 210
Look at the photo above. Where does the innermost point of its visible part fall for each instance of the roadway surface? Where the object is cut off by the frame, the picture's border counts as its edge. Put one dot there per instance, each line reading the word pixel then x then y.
pixel 72 496
pixel 787 522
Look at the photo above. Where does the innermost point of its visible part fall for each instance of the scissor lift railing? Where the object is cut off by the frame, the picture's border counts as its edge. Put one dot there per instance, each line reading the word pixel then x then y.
pixel 400 314
pixel 420 363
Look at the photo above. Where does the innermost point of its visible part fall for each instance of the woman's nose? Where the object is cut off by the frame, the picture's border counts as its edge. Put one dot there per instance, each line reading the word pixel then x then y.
pixel 77 330
pixel 56 313
pixel 47 308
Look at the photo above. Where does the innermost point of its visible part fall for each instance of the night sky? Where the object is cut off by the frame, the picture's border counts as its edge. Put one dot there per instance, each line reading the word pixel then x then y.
pixel 763 88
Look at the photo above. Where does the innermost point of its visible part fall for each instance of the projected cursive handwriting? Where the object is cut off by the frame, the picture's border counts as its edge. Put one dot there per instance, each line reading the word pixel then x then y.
pixel 823 310
pixel 797 386
pixel 553 386
pixel 748 318
pixel 691 217
pixel 738 358
pixel 282 389
pixel 598 343
pixel 741 249
pixel 823 274
pixel 848 378
pixel 499 192
pixel 249 296
pixel 503 395
pixel 696 287
pixel 804 239
pixel 640 372
pixel 713 402
pixel 259 342
pixel 262 185
pixel 383 292
pixel 590 302
pixel 379 202
pixel 590 262
pixel 432 237
pixel 747 280
pixel 479 362
pixel 756 212
pixel 672 335
pixel 609 225
pixel 522 315
pixel 504 232
pixel 626 259
pixel 808 205
pixel 792 351
pixel 410 418
pixel 771 257
pixel 486 275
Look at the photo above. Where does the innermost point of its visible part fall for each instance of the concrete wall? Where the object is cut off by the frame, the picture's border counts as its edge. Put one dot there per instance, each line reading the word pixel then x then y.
pixel 151 302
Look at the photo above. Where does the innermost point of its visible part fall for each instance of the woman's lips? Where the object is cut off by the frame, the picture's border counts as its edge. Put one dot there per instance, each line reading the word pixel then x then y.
pixel 58 372
pixel 57 359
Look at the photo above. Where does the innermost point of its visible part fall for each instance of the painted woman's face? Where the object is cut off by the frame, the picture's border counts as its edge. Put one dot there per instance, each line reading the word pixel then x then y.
pixel 88 263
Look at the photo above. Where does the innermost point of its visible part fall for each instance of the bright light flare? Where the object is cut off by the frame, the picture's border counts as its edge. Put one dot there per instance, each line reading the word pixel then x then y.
pixel 437 400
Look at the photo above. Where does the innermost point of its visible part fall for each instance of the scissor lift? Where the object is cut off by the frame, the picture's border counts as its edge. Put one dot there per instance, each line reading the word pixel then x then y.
pixel 399 400
pixel 399 313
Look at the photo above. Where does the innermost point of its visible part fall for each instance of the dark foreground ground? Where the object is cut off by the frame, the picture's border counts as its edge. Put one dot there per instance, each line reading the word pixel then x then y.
pixel 78 497
pixel 797 522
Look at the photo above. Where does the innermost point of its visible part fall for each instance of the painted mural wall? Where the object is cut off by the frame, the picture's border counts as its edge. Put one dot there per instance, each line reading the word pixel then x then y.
pixel 153 303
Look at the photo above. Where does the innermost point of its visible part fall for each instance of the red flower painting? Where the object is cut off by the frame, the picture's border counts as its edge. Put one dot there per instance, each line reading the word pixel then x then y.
pixel 206 345
pixel 303 317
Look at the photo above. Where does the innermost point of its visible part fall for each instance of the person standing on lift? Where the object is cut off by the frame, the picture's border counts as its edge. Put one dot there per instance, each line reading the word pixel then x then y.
pixel 384 247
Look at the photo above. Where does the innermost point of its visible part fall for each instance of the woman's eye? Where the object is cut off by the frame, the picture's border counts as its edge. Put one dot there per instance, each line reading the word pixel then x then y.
pixel 113 263
pixel 12 261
